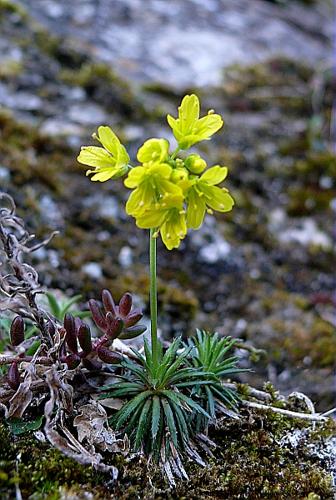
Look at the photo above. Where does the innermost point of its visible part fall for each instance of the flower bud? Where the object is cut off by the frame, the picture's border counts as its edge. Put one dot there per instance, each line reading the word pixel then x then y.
pixel 17 331
pixel 13 376
pixel 84 338
pixel 107 356
pixel 195 164
pixel 179 174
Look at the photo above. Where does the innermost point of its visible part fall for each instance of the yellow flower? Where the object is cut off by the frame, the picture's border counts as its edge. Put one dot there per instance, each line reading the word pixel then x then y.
pixel 110 161
pixel 168 217
pixel 189 128
pixel 153 151
pixel 150 183
pixel 169 194
pixel 205 195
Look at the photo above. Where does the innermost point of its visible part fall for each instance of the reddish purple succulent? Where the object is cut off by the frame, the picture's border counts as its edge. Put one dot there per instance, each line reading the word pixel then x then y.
pixel 17 336
pixel 117 321
pixel 79 348
pixel 17 331
pixel 13 376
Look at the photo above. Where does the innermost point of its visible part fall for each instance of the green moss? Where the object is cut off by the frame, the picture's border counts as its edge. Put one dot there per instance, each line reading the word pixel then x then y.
pixel 10 7
pixel 299 334
pixel 40 469
pixel 315 164
pixel 305 200
pixel 30 156
pixel 263 86
pixel 102 83
pixel 248 462
pixel 10 68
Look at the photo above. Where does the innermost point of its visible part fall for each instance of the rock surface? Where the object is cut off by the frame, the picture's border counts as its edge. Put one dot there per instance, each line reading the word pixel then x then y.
pixel 263 273
pixel 188 43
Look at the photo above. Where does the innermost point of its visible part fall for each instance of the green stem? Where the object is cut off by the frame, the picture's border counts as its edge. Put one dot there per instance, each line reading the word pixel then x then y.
pixel 153 295
pixel 173 156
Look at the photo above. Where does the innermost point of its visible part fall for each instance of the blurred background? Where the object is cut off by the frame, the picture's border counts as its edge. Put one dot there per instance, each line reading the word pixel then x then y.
pixel 264 273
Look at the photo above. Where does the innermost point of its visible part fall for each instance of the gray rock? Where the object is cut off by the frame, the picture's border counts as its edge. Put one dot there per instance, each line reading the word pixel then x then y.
pixel 93 270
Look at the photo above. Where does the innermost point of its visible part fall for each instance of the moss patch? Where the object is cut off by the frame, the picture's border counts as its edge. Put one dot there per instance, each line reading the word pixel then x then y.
pixel 252 460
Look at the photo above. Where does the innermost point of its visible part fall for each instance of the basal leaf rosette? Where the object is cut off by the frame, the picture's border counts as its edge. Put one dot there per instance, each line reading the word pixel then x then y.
pixel 170 193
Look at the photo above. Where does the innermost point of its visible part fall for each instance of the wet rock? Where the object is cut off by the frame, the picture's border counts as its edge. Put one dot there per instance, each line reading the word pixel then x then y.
pixel 304 231
pixel 106 207
pixel 93 270
pixel 59 128
pixel 172 45
pixel 125 257
pixel 4 175
pixel 87 114
pixel 50 212
pixel 211 246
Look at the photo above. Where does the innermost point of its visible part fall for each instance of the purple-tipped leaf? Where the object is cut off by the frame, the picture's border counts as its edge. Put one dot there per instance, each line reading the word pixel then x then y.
pixel 70 335
pixel 84 338
pixel 108 302
pixel 125 304
pixel 133 318
pixel 105 341
pixel 115 326
pixel 13 376
pixel 132 332
pixel 107 356
pixel 17 331
pixel 97 315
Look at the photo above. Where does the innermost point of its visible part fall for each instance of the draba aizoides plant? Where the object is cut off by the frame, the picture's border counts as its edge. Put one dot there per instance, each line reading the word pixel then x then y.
pixel 171 191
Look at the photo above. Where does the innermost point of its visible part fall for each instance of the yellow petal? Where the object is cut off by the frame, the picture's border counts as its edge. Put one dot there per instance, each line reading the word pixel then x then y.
pixel 150 219
pixel 95 157
pixel 207 126
pixel 217 198
pixel 214 175
pixel 195 210
pixel 101 176
pixel 188 112
pixel 174 229
pixel 108 139
pixel 135 176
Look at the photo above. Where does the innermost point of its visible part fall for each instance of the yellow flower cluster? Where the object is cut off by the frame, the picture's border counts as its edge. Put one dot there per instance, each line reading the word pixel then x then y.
pixel 169 194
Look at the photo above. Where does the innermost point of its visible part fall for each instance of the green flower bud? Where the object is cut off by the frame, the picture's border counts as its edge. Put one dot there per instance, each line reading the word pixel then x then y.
pixel 179 174
pixel 195 164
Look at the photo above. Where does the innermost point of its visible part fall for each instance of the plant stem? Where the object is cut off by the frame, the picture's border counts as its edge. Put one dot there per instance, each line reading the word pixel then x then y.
pixel 173 156
pixel 153 295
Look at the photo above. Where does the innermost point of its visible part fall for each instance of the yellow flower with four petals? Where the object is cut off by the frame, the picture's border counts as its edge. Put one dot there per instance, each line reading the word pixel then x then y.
pixel 169 194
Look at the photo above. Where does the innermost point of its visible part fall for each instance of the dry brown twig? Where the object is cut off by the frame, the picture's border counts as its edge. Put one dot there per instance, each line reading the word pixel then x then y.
pixel 42 373
pixel 20 284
